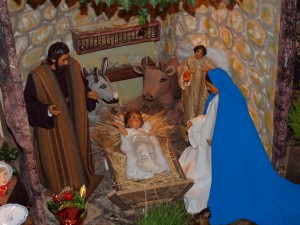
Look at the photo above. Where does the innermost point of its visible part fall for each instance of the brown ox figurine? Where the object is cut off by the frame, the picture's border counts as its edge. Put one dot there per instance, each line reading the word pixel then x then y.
pixel 160 87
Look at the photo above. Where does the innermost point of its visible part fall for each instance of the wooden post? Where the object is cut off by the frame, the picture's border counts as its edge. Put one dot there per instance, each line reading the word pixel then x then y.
pixel 15 111
pixel 284 83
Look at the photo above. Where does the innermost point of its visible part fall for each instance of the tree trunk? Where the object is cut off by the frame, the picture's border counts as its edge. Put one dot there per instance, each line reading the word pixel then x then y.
pixel 15 111
pixel 284 83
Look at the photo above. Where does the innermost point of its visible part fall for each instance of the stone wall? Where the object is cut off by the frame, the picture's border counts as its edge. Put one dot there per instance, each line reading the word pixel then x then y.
pixel 36 29
pixel 248 34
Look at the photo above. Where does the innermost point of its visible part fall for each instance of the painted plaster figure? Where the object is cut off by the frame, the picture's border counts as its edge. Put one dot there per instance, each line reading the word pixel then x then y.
pixel 57 99
pixel 99 82
pixel 143 152
pixel 191 75
pixel 244 183
pixel 160 88
pixel 196 159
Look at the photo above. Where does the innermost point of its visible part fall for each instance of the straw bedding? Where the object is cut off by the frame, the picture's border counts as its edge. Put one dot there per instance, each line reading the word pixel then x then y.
pixel 108 137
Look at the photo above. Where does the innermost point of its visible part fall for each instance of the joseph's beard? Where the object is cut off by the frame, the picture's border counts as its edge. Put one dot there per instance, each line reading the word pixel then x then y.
pixel 60 68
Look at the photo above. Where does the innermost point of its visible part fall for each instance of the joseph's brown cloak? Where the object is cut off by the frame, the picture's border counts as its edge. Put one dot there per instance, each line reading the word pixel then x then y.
pixel 63 153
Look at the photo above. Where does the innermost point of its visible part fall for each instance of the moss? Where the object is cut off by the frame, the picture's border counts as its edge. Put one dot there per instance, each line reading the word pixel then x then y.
pixel 294 118
pixel 165 214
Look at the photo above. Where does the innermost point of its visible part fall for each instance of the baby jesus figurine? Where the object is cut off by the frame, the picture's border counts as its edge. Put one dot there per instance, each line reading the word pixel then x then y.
pixel 143 152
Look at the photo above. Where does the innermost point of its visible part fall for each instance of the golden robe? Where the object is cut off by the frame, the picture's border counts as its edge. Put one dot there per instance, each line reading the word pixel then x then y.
pixel 194 92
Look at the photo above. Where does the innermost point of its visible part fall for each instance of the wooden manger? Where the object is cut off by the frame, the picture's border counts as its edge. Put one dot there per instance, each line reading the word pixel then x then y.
pixel 129 194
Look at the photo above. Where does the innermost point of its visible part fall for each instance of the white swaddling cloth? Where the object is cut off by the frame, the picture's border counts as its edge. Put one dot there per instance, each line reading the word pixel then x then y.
pixel 143 153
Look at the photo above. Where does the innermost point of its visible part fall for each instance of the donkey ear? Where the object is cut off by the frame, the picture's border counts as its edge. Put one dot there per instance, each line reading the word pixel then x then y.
pixel 104 66
pixel 171 71
pixel 138 68
pixel 84 72
pixel 95 74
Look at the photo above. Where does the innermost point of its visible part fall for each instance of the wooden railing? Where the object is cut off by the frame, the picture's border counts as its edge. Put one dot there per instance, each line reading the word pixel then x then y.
pixel 106 38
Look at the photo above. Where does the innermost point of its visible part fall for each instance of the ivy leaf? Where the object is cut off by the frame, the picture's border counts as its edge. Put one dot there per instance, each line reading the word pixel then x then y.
pixel 163 3
pixel 192 2
pixel 153 3
pixel 139 3
pixel 126 4
pixel 108 2
pixel 97 2
pixel 144 14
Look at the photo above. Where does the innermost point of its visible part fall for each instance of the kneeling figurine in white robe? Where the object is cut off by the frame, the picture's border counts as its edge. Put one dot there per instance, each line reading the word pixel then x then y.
pixel 196 159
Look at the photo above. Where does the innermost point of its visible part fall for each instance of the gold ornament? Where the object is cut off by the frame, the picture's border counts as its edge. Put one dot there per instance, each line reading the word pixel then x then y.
pixel 82 191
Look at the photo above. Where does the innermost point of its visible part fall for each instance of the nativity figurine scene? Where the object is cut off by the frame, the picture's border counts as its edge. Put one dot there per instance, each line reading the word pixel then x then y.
pixel 201 136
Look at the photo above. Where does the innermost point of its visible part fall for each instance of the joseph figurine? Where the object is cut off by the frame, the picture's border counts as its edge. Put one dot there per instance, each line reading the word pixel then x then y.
pixel 57 99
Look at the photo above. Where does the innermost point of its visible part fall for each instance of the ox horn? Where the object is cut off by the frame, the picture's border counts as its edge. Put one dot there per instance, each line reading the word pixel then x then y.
pixel 144 62
pixel 162 65
pixel 147 61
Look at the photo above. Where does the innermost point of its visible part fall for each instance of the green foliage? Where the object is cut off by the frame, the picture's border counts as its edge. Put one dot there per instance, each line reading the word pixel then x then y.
pixel 298 44
pixel 108 2
pixel 125 4
pixel 7 154
pixel 143 6
pixel 143 16
pixel 294 118
pixel 165 214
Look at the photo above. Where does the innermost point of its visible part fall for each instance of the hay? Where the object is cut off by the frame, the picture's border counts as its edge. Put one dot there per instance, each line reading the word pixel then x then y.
pixel 108 137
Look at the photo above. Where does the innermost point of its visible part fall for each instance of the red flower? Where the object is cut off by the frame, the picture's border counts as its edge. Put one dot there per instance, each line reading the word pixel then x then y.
pixel 68 196
pixel 56 199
